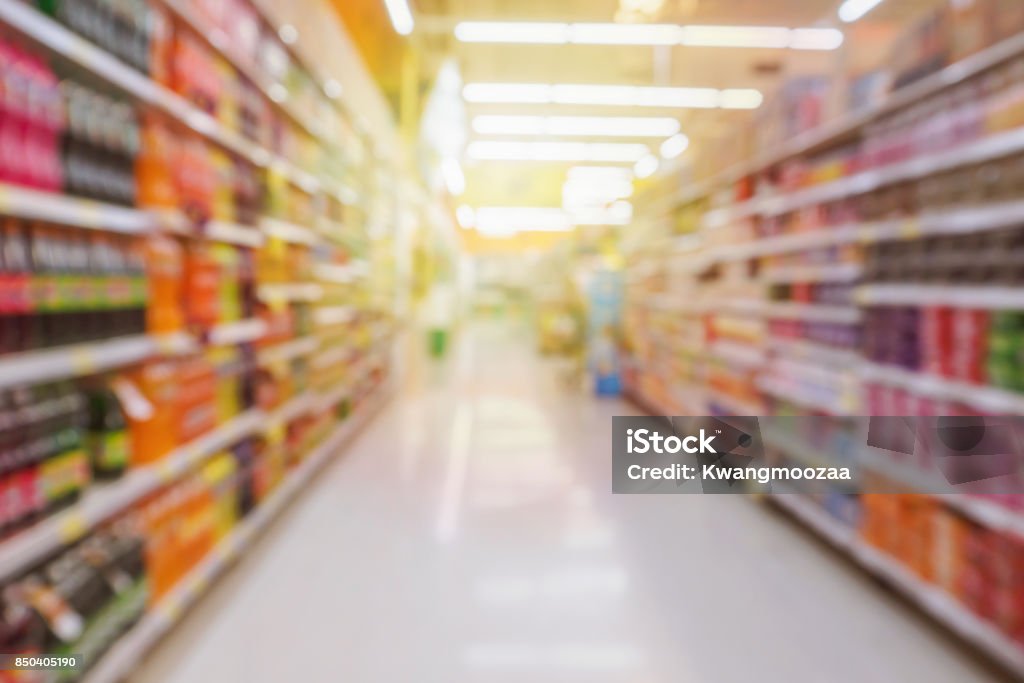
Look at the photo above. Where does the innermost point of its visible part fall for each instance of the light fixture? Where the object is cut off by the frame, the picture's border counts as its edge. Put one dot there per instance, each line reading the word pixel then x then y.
pixel 624 34
pixel 740 98
pixel 560 33
pixel 598 173
pixel 596 192
pixel 504 219
pixel 465 216
pixel 454 178
pixel 674 146
pixel 852 10
pixel 511 32
pixel 736 36
pixel 509 125
pixel 400 15
pixel 619 213
pixel 646 167
pixel 589 126
pixel 611 95
pixel 556 151
pixel 288 34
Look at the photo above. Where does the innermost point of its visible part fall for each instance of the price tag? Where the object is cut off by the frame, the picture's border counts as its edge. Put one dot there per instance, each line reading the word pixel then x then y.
pixel 83 362
pixel 5 199
pixel 275 432
pixel 171 610
pixel 71 528
pixel 201 583
pixel 276 301
pixel 867 234
pixel 166 472
pixel 910 228
pixel 167 344
pixel 90 214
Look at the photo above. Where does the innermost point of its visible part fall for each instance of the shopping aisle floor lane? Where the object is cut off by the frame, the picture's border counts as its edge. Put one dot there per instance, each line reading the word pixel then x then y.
pixel 470 535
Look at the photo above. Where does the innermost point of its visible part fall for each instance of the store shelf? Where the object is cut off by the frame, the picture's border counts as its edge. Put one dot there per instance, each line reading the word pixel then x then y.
pixel 990 298
pixel 80 360
pixel 239 332
pixel 100 503
pixel 835 272
pixel 291 410
pixel 122 658
pixel 332 356
pixel 290 292
pixel 23 202
pixel 983 398
pixel 289 232
pixel 101 63
pixel 808 351
pixel 929 598
pixel 334 315
pixel 275 93
pixel 339 274
pixel 288 351
pixel 811 312
pixel 741 355
pixel 847 126
pixel 985 149
pixel 233 233
pixel 814 402
pixel 796 448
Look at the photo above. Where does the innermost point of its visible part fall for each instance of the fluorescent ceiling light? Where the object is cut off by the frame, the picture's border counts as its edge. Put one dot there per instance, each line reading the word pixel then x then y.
pixel 559 33
pixel 509 125
pixel 454 178
pixel 614 126
pixel 598 173
pixel 636 96
pixel 619 213
pixel 741 98
pixel 556 151
pixel 511 32
pixel 502 219
pixel 674 146
pixel 736 36
pixel 525 93
pixel 624 34
pixel 400 15
pixel 646 167
pixel 589 194
pixel 610 95
pixel 852 10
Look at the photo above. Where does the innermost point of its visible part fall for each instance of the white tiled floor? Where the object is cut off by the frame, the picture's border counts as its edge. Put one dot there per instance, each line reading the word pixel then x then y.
pixel 470 535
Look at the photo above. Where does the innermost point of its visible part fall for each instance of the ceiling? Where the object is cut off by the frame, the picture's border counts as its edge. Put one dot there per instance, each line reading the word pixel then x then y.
pixel 533 184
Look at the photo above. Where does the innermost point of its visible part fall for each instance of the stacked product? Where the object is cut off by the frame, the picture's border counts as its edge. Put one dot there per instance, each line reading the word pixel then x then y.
pixel 884 260
pixel 171 181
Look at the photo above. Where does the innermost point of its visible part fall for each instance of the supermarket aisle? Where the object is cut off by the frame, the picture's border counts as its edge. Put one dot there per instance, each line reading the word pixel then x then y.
pixel 470 535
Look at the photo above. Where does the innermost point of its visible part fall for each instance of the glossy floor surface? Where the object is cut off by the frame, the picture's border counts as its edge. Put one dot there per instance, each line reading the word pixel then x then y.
pixel 470 535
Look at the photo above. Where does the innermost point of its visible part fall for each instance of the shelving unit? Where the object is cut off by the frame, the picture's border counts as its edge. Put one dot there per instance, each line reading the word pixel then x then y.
pixel 925 596
pixel 802 269
pixel 304 243
pixel 120 661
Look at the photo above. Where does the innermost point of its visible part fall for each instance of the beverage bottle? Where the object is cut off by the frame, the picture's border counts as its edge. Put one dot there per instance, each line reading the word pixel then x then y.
pixel 107 435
